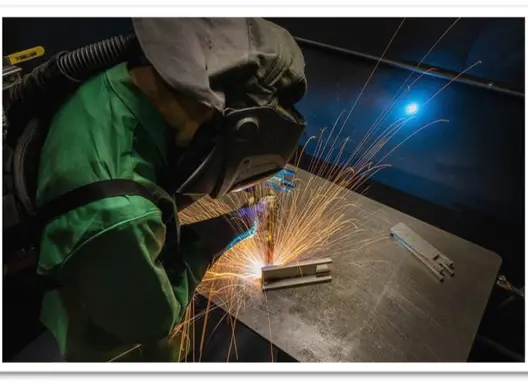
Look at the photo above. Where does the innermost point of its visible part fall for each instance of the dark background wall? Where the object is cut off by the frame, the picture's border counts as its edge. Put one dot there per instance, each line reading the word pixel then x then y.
pixel 475 160
pixel 498 42
pixel 469 169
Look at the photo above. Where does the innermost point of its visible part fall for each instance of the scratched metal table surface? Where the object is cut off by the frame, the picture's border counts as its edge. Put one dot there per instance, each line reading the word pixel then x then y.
pixel 382 304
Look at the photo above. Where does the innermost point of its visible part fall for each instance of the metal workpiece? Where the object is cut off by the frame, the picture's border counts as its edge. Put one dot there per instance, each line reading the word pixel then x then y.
pixel 282 181
pixel 438 263
pixel 380 306
pixel 295 275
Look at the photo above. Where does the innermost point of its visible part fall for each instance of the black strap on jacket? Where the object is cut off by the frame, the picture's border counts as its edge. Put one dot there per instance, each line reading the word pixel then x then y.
pixel 94 192
pixel 89 193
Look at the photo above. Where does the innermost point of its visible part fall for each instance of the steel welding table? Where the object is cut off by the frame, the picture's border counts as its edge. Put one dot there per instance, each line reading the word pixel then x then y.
pixel 382 304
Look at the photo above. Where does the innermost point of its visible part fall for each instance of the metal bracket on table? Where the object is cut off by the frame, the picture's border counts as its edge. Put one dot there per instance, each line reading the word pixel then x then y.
pixel 294 275
pixel 438 263
pixel 282 181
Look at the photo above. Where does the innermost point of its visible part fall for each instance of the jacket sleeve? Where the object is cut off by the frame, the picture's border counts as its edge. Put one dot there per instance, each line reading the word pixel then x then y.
pixel 131 292
pixel 200 245
pixel 123 287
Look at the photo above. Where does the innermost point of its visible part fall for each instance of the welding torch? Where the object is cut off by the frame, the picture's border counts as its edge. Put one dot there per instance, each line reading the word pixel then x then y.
pixel 281 182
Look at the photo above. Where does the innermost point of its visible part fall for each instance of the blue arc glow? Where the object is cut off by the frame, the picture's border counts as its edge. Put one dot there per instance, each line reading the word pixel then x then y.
pixel 411 109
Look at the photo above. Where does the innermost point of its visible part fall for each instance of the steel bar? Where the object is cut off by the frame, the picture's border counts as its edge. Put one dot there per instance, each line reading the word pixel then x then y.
pixel 426 70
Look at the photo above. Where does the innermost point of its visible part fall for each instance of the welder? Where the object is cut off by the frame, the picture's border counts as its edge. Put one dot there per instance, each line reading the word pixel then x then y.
pixel 207 107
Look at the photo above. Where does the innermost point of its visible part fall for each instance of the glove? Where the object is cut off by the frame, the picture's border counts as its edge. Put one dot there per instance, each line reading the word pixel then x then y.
pixel 224 232
pixel 246 217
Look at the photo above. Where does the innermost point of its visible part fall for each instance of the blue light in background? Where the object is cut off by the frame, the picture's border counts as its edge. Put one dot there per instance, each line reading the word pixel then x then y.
pixel 412 109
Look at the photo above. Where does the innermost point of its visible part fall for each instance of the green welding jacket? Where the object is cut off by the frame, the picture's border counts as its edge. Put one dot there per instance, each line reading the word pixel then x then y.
pixel 119 287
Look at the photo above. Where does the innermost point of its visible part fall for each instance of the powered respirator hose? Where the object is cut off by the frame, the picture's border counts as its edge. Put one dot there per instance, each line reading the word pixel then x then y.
pixel 43 90
pixel 83 62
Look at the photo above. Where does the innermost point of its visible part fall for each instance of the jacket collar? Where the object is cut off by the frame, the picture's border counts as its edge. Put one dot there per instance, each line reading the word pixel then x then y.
pixel 138 104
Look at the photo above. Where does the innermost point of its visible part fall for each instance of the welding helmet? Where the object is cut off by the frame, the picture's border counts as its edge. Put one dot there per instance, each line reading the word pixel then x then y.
pixel 251 72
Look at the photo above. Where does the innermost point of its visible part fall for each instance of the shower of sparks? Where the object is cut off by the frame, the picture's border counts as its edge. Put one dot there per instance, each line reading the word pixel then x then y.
pixel 310 219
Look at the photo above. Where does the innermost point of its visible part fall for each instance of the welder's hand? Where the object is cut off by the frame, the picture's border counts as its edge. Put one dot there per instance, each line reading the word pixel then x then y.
pixel 221 233
pixel 246 219
pixel 243 236
pixel 252 212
